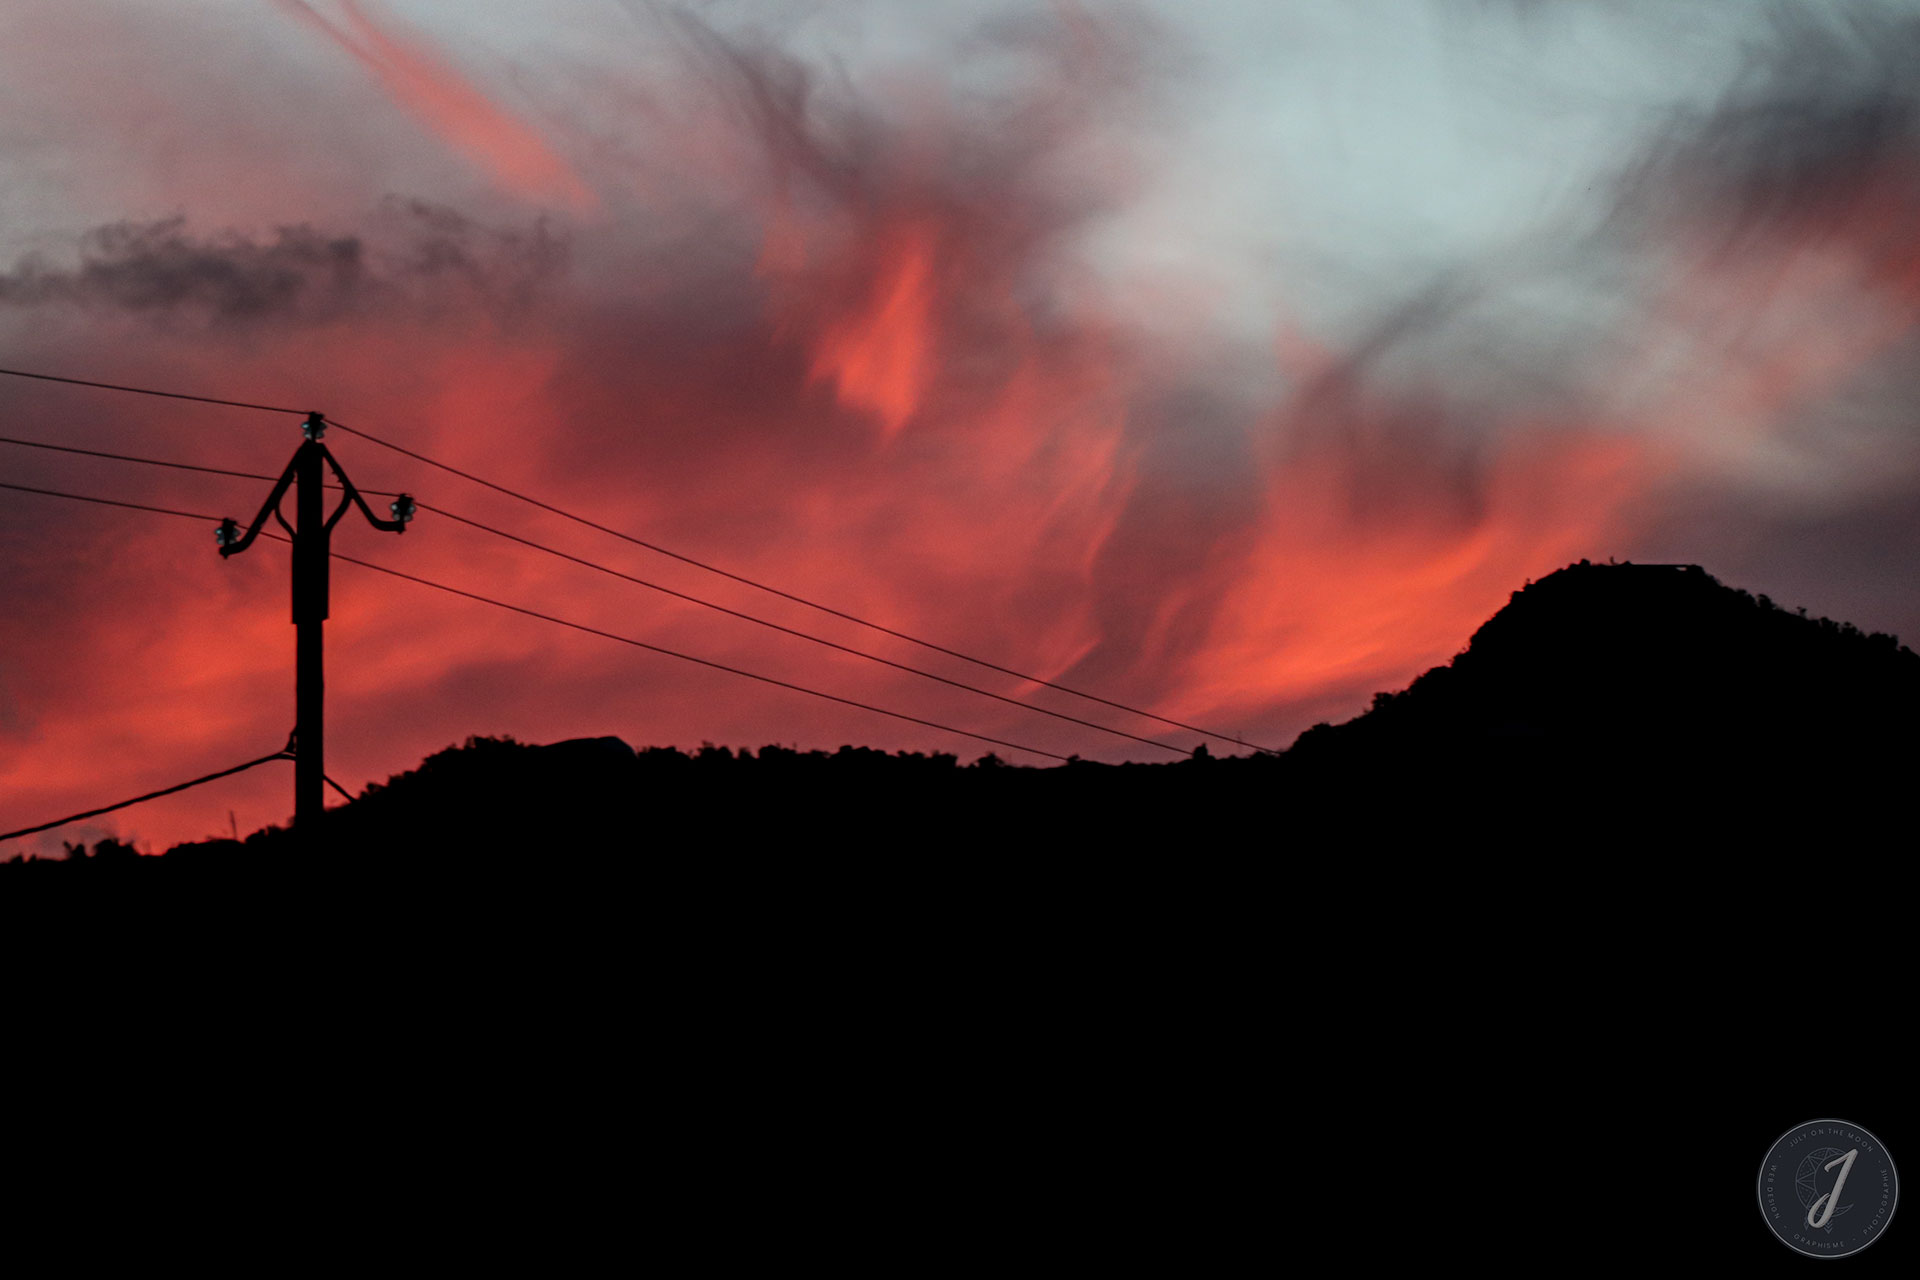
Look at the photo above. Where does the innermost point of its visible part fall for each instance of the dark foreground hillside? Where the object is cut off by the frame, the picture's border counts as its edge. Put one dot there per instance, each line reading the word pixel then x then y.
pixel 1603 879
pixel 1603 702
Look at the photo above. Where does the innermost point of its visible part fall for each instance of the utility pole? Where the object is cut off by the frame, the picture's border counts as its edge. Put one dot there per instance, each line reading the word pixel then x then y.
pixel 312 535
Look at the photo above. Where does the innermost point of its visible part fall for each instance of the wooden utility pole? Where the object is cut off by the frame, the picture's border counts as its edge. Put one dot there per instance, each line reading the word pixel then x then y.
pixel 312 535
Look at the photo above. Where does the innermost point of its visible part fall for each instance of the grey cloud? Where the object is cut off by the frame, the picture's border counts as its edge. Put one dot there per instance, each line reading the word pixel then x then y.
pixel 1824 105
pixel 412 253
pixel 158 267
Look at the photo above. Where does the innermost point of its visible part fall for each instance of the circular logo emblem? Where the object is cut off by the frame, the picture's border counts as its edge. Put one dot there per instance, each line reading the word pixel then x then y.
pixel 1828 1188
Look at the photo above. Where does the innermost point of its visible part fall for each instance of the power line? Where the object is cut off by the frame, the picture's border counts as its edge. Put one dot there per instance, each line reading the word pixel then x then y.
pixel 651 586
pixel 791 631
pixel 177 466
pixel 282 754
pixel 638 644
pixel 149 391
pixel 705 662
pixel 788 595
pixel 109 502
pixel 674 555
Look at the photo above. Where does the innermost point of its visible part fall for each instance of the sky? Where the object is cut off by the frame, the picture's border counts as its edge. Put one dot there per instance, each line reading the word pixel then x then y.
pixel 1232 361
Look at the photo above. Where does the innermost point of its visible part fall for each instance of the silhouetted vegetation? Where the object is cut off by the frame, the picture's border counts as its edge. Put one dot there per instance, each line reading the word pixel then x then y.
pixel 1602 698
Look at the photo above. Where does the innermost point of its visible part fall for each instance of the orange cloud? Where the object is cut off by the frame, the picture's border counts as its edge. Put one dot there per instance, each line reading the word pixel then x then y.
pixel 450 104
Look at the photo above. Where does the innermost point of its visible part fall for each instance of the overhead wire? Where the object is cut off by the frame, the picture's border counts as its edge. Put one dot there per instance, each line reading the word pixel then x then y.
pixel 282 754
pixel 705 662
pixel 651 586
pixel 803 635
pixel 661 550
pixel 149 391
pixel 797 599
pixel 577 626
pixel 109 502
pixel 177 466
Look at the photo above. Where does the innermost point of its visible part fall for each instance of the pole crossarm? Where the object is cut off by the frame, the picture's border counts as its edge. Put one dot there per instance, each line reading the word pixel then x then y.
pixel 233 543
pixel 404 501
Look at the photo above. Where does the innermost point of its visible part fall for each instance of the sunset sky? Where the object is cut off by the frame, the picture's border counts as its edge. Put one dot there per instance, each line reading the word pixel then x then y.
pixel 1233 360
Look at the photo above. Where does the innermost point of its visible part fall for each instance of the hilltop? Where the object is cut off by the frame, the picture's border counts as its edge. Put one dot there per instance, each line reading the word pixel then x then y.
pixel 1637 665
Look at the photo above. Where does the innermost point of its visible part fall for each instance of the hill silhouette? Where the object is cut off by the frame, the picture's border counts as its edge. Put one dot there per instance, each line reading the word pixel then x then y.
pixel 1599 697
pixel 986 989
pixel 1660 664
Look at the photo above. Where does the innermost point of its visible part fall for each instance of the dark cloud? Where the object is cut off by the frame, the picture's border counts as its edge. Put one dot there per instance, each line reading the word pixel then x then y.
pixel 1822 120
pixel 164 269
pixel 1034 88
pixel 158 267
